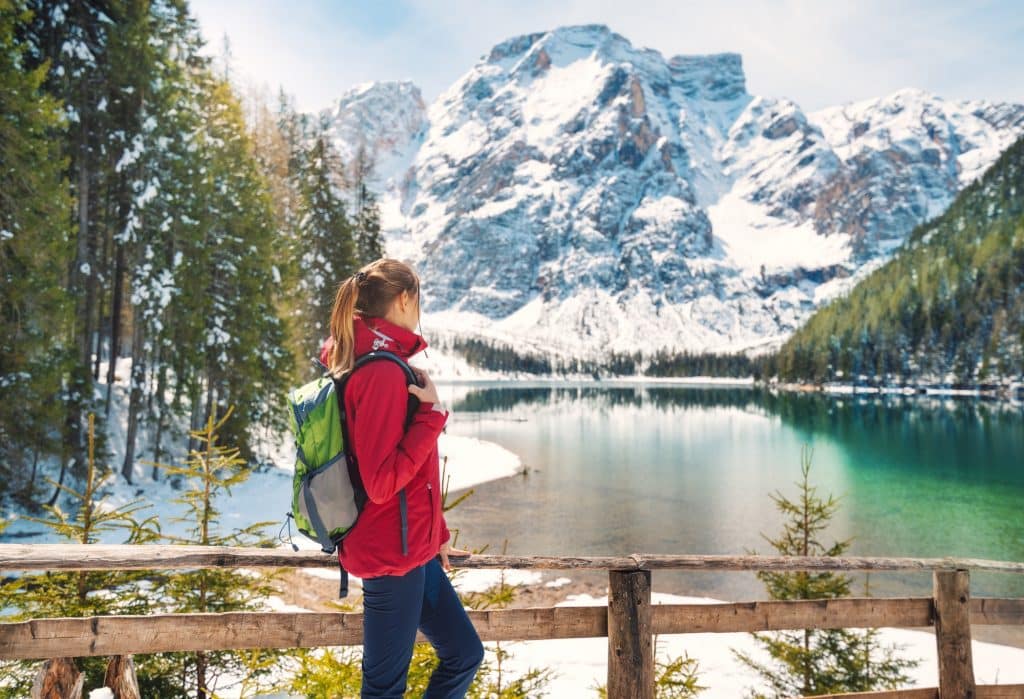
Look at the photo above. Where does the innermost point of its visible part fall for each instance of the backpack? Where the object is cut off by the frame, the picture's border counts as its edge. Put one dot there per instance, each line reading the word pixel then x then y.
pixel 327 491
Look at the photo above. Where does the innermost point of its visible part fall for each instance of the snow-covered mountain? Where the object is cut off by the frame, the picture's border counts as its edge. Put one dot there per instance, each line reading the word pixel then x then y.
pixel 387 119
pixel 576 193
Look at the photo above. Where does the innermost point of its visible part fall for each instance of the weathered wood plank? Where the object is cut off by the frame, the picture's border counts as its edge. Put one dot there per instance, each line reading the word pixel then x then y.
pixel 727 562
pixel 630 640
pixel 997 611
pixel 919 693
pixel 953 634
pixel 151 556
pixel 867 612
pixel 985 691
pixel 117 635
pixel 1000 691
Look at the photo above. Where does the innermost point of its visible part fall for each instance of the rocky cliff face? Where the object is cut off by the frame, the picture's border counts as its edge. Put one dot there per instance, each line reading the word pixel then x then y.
pixel 578 193
pixel 388 120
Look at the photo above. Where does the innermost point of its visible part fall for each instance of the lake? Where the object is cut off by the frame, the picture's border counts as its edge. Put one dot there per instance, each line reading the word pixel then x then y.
pixel 683 469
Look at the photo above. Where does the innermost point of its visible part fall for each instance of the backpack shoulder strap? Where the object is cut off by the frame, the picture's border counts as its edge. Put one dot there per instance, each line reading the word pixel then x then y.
pixel 363 360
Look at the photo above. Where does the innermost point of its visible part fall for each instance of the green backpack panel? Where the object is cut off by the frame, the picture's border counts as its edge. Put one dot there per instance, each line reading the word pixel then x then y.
pixel 327 492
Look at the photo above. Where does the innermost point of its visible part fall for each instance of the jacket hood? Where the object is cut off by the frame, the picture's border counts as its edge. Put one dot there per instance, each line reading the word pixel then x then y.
pixel 378 334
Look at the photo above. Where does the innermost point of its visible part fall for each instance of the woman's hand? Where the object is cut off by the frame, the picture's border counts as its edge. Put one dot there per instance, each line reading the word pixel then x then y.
pixel 446 551
pixel 427 393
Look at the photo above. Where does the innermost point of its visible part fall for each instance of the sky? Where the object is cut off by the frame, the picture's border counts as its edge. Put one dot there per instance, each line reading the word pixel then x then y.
pixel 816 53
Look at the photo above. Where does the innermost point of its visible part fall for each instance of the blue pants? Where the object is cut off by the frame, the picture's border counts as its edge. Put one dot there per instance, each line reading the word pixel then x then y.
pixel 393 607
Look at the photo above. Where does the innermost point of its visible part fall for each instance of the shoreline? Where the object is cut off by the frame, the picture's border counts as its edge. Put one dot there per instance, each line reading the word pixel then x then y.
pixel 1013 393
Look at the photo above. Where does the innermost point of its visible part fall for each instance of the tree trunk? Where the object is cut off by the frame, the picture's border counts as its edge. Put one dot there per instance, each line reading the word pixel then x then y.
pixel 30 487
pixel 115 321
pixel 152 377
pixel 104 260
pixel 65 457
pixel 161 388
pixel 196 418
pixel 138 378
pixel 201 675
pixel 78 277
pixel 98 341
pixel 87 242
pixel 79 385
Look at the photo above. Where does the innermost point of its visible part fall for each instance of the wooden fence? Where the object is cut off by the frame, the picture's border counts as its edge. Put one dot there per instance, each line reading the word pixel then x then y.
pixel 629 621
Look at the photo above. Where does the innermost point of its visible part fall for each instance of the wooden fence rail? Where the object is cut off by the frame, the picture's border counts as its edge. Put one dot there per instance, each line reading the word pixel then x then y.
pixel 629 621
pixel 165 557
pixel 160 633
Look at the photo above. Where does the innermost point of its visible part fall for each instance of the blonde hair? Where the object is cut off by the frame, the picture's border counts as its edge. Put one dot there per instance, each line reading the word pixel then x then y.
pixel 370 293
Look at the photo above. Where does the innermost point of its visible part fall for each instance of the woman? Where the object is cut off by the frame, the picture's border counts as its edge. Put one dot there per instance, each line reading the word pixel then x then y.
pixel 378 309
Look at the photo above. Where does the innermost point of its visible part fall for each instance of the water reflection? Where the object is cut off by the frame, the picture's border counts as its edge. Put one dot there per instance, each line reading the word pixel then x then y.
pixel 689 469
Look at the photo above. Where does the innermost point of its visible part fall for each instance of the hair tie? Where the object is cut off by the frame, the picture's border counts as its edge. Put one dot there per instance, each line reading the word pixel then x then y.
pixel 359 276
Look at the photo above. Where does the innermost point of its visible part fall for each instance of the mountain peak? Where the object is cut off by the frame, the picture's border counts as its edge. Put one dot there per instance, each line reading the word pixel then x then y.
pixel 583 35
pixel 714 77
pixel 385 118
pixel 378 89
pixel 717 76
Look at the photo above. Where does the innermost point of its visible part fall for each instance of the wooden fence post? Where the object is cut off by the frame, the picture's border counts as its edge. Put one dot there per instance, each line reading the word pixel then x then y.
pixel 630 642
pixel 120 678
pixel 951 592
pixel 58 678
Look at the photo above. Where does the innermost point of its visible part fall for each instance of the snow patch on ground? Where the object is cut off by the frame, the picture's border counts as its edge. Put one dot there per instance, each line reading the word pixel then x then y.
pixel 473 461
pixel 582 663
pixel 482 579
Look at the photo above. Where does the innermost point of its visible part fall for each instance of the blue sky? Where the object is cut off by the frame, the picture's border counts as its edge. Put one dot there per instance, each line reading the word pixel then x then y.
pixel 816 53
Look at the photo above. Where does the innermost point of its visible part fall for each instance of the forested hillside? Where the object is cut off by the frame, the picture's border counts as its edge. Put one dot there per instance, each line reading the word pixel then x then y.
pixel 150 213
pixel 948 307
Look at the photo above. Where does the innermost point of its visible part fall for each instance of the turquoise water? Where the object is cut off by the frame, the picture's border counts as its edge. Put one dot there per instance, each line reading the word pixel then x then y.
pixel 689 470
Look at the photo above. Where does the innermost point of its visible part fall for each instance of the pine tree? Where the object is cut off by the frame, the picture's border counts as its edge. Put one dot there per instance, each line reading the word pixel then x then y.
pixel 148 86
pixel 810 662
pixel 242 338
pixel 81 593
pixel 283 139
pixel 35 249
pixel 74 39
pixel 325 251
pixel 209 473
pixel 369 245
pixel 674 678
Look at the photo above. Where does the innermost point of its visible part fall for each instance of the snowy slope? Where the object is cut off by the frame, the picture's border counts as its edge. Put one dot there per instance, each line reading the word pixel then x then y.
pixel 576 193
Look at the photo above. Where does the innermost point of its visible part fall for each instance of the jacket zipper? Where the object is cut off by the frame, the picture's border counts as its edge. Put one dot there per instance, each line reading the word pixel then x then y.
pixel 430 494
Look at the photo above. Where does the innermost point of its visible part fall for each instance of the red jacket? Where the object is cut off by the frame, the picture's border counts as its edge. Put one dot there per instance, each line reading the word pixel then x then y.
pixel 391 458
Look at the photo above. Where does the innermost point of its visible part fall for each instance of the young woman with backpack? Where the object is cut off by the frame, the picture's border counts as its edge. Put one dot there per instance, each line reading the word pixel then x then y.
pixel 404 584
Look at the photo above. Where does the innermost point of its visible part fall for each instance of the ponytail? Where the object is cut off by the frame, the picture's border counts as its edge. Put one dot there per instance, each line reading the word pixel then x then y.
pixel 368 293
pixel 343 350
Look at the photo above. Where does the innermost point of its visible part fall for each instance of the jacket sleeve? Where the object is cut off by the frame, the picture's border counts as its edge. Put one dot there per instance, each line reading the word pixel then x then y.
pixel 387 457
pixel 445 534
